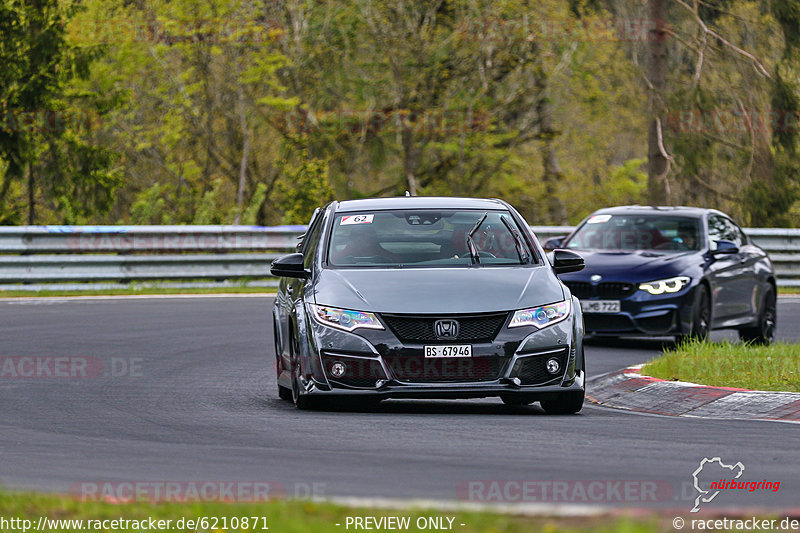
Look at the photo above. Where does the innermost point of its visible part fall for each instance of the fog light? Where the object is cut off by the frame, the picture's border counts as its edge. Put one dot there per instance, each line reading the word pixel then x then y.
pixel 338 369
pixel 553 366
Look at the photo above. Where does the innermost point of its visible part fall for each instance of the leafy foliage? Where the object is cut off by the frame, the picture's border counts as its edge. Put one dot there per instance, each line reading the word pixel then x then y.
pixel 257 111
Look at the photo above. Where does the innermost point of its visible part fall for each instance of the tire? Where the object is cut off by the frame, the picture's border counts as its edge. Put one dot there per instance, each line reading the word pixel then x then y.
pixel 701 317
pixel 284 393
pixel 568 404
pixel 764 331
pixel 301 401
pixel 519 401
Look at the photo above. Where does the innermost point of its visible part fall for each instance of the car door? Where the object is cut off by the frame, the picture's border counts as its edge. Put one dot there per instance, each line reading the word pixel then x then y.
pixel 727 273
pixel 290 290
pixel 748 288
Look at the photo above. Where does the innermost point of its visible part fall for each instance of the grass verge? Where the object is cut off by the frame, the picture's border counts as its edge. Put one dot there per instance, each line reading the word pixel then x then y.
pixel 788 290
pixel 726 364
pixel 297 516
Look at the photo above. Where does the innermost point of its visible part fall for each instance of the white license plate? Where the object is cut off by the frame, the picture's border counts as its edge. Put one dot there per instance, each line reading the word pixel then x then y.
pixel 460 350
pixel 600 306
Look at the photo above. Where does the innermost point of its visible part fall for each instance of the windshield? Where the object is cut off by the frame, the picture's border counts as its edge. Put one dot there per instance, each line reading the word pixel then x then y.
pixel 427 238
pixel 637 232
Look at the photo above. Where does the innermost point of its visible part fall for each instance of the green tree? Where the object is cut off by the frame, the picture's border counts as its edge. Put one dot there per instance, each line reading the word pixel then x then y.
pixel 48 142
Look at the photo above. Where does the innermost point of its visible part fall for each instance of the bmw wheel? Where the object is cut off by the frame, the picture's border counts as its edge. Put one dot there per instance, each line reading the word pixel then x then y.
pixel 701 317
pixel 764 331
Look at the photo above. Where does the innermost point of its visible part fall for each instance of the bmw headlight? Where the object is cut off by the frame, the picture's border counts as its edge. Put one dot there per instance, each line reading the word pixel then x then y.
pixel 344 318
pixel 665 285
pixel 542 316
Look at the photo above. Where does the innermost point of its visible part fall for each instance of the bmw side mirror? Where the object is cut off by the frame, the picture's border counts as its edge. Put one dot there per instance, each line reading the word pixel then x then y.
pixel 725 248
pixel 552 244
pixel 566 261
pixel 289 266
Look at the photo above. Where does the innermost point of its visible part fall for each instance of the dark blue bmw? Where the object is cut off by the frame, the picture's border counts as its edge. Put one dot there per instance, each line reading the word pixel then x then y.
pixel 679 271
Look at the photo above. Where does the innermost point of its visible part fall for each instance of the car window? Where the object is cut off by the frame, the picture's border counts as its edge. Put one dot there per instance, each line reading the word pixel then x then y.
pixel 736 234
pixel 717 229
pixel 315 219
pixel 311 238
pixel 637 232
pixel 427 238
pixel 721 228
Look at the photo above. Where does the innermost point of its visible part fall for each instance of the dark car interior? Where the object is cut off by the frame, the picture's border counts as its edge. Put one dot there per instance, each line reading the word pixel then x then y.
pixel 637 232
pixel 427 239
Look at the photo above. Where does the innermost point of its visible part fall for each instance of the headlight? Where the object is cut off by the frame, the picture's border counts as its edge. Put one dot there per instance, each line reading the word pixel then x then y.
pixel 541 317
pixel 344 318
pixel 665 285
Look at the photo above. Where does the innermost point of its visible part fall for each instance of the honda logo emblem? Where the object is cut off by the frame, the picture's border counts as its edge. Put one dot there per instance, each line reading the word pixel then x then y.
pixel 446 329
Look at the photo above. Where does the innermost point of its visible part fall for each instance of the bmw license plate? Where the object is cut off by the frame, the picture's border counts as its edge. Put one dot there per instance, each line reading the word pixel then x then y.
pixel 600 306
pixel 460 350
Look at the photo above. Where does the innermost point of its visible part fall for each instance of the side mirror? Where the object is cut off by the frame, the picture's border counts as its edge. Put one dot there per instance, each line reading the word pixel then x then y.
pixel 725 248
pixel 289 266
pixel 553 243
pixel 566 261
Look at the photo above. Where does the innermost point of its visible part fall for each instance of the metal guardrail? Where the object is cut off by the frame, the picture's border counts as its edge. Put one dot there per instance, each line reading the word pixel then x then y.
pixel 35 257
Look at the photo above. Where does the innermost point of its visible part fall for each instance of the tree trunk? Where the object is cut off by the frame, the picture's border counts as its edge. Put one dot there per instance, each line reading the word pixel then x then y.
pixel 31 196
pixel 657 164
pixel 557 211
pixel 245 148
pixel 409 160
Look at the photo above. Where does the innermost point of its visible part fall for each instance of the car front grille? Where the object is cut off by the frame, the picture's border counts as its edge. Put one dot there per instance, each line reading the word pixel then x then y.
pixel 658 324
pixel 472 328
pixel 419 369
pixel 609 289
pixel 600 322
pixel 581 289
pixel 361 372
pixel 531 369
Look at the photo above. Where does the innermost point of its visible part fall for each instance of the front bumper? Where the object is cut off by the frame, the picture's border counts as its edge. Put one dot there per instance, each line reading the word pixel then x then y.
pixel 502 387
pixel 379 365
pixel 642 313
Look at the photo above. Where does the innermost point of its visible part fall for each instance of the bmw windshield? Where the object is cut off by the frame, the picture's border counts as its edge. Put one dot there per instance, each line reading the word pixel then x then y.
pixel 637 233
pixel 427 238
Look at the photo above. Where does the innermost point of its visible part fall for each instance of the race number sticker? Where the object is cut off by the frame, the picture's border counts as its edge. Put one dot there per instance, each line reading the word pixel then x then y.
pixel 599 219
pixel 356 219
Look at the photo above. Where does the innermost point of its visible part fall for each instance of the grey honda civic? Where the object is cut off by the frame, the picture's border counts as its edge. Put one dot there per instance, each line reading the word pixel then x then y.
pixel 422 297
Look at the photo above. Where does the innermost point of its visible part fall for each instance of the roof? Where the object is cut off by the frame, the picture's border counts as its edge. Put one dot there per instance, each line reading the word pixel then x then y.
pixel 656 209
pixel 419 202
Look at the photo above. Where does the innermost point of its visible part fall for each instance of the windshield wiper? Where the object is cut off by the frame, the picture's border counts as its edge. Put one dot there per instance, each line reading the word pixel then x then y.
pixel 521 251
pixel 473 250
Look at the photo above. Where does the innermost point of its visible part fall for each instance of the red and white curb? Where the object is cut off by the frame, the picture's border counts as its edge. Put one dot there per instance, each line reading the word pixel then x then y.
pixel 629 389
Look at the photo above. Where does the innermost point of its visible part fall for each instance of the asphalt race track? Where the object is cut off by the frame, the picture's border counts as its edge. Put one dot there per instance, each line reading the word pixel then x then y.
pixel 171 389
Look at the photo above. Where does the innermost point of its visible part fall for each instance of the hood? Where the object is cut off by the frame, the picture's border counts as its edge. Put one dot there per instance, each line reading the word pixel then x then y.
pixel 636 266
pixel 437 290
